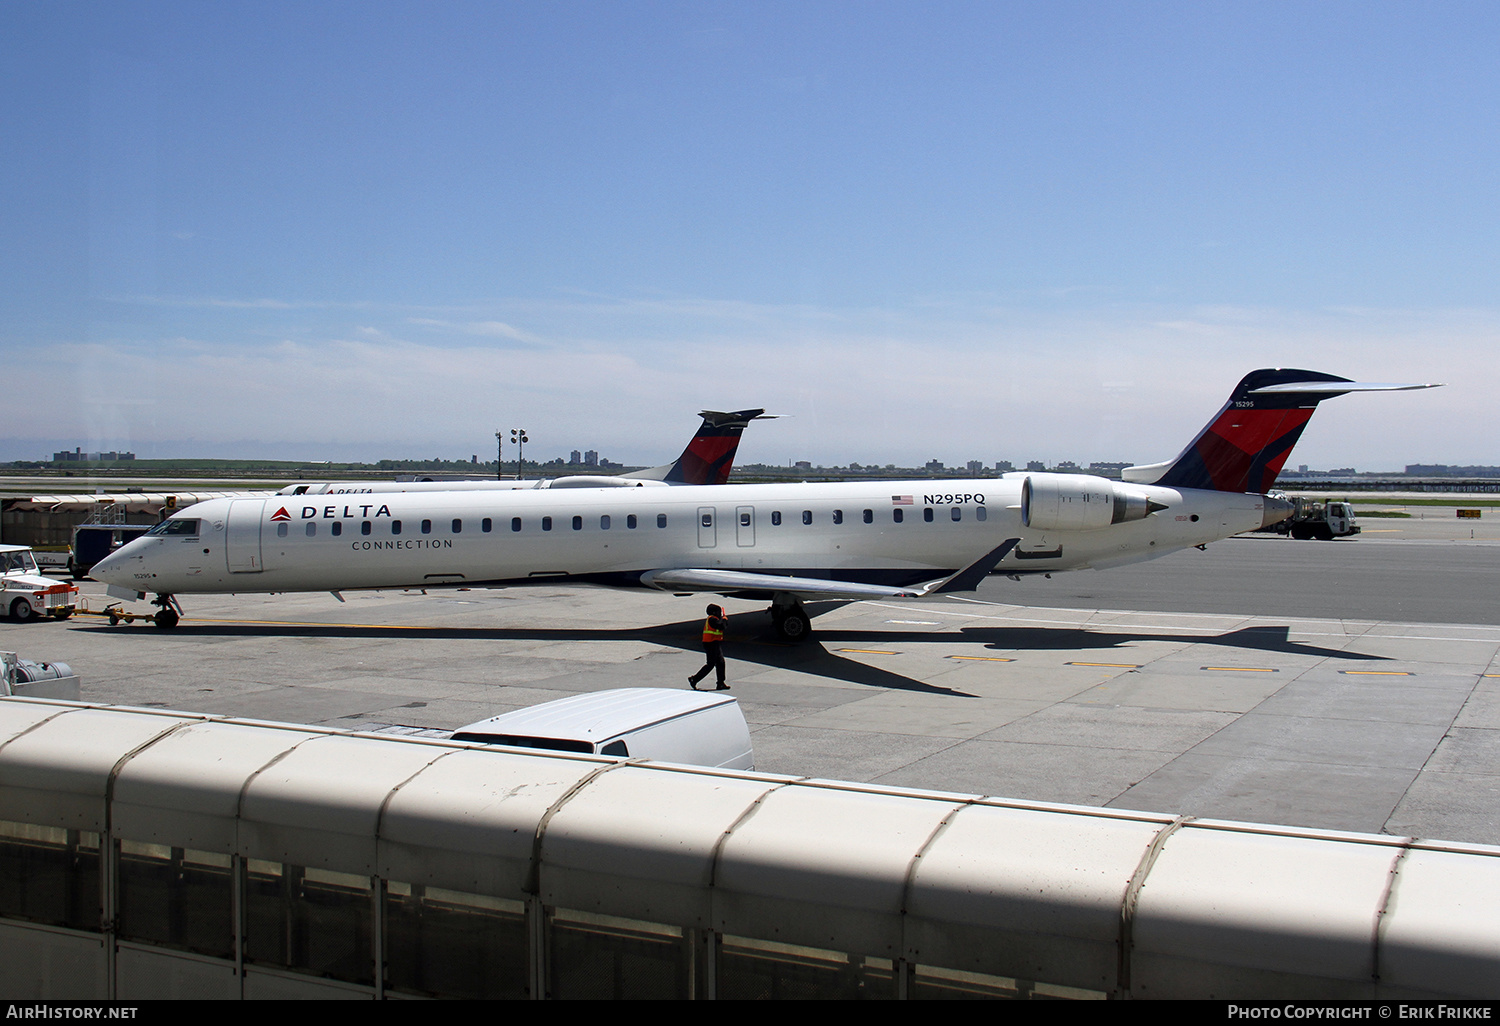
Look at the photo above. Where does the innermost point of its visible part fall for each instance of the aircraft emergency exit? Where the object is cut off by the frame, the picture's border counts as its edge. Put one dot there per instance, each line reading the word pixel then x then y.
pixel 785 543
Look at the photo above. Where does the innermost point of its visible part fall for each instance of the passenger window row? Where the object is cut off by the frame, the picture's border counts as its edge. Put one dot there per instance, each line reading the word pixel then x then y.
pixel 486 525
pixel 456 526
pixel 605 522
pixel 898 515
pixel 336 527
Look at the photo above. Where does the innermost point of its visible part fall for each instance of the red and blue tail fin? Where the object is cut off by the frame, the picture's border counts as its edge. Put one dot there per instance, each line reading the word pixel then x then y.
pixel 709 455
pixel 1244 447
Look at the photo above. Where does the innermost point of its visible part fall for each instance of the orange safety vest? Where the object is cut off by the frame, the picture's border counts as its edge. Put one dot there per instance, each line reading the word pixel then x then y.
pixel 710 632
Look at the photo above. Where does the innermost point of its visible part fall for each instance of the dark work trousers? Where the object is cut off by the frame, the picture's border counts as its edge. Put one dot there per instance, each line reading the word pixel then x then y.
pixel 713 651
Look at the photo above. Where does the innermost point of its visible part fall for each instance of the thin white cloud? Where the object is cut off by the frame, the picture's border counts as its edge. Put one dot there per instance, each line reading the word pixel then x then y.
pixel 230 303
pixel 490 329
pixel 956 382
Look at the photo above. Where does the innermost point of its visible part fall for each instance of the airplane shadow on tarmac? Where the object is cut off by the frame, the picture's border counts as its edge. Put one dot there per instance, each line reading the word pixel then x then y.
pixel 1033 639
pixel 749 640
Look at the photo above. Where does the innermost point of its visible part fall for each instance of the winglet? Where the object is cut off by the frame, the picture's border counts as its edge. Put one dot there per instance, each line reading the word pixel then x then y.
pixel 970 576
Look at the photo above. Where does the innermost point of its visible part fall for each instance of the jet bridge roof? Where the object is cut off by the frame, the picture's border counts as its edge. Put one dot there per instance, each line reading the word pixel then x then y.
pixel 132 502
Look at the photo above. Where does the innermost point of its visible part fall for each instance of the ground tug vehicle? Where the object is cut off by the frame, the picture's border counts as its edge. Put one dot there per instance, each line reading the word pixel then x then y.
pixel 25 594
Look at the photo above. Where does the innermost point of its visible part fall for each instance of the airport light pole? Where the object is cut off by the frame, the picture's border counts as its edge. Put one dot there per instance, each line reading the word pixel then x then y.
pixel 499 455
pixel 518 435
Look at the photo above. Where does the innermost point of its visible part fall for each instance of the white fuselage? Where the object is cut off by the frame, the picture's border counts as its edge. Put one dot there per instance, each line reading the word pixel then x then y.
pixel 833 531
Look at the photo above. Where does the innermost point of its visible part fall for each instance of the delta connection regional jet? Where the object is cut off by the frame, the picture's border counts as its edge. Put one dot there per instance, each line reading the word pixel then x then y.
pixel 786 543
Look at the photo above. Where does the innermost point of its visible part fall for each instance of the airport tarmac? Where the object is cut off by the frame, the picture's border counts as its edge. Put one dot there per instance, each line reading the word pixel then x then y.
pixel 1368 724
pixel 1427 577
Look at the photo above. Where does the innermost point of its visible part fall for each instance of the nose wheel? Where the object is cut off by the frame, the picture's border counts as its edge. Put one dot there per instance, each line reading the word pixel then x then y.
pixel 168 614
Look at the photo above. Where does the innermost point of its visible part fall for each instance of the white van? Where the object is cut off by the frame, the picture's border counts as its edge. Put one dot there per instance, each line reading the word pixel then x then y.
pixel 663 724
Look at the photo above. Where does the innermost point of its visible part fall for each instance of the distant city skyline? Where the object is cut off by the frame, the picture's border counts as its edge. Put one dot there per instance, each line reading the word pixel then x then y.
pixel 591 459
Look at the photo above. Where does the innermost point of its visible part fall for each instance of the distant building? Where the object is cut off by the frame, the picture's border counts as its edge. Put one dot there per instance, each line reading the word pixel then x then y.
pixel 79 456
pixel 1108 469
pixel 1068 467
pixel 1444 470
pixel 975 467
pixel 934 465
pixel 803 465
pixel 575 459
pixel 1035 465
pixel 1003 467
pixel 591 458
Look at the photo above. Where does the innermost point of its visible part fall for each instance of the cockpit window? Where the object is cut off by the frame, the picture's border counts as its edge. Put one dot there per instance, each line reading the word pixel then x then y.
pixel 181 526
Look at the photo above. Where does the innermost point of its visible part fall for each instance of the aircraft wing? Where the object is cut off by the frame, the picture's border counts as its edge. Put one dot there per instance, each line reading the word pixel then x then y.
pixel 740 581
pixel 735 581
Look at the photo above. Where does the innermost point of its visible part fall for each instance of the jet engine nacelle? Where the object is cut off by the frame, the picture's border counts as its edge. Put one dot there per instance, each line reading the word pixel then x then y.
pixel 1078 502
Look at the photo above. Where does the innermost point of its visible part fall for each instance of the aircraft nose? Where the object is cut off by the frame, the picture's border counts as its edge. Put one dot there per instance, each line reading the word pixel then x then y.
pixel 111 569
pixel 1276 510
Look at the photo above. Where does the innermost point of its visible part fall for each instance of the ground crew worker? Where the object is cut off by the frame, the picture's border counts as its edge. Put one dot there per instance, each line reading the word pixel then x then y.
pixel 713 648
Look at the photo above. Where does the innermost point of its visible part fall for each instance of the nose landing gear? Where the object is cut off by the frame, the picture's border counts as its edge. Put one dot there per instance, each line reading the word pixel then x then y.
pixel 168 613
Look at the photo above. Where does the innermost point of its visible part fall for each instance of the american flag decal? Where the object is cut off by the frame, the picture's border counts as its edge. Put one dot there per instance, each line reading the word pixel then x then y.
pixel 901 500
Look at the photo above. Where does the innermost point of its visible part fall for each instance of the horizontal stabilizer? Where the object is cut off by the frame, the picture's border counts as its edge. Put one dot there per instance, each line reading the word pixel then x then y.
pixel 1329 389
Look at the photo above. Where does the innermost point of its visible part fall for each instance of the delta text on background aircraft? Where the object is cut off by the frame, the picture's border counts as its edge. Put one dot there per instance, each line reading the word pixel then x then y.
pixel 784 542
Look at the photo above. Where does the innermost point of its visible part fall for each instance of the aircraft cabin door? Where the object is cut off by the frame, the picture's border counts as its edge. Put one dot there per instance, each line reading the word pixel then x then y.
pixel 707 532
pixel 242 536
pixel 744 526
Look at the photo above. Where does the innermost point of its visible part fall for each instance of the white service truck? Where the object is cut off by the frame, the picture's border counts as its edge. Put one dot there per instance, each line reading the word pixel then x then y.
pixel 1317 518
pixel 25 594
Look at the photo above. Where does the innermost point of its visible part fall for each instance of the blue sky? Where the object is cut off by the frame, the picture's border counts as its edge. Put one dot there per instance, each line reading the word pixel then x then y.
pixel 954 231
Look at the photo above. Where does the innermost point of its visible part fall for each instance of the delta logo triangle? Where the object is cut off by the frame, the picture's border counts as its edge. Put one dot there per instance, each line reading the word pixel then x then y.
pixel 280 514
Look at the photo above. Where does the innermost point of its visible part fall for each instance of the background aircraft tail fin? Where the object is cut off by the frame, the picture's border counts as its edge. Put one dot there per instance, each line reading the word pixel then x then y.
pixel 709 455
pixel 1244 447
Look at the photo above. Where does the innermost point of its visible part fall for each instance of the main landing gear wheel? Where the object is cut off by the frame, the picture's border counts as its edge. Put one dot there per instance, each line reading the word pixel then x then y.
pixel 789 620
pixel 793 626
